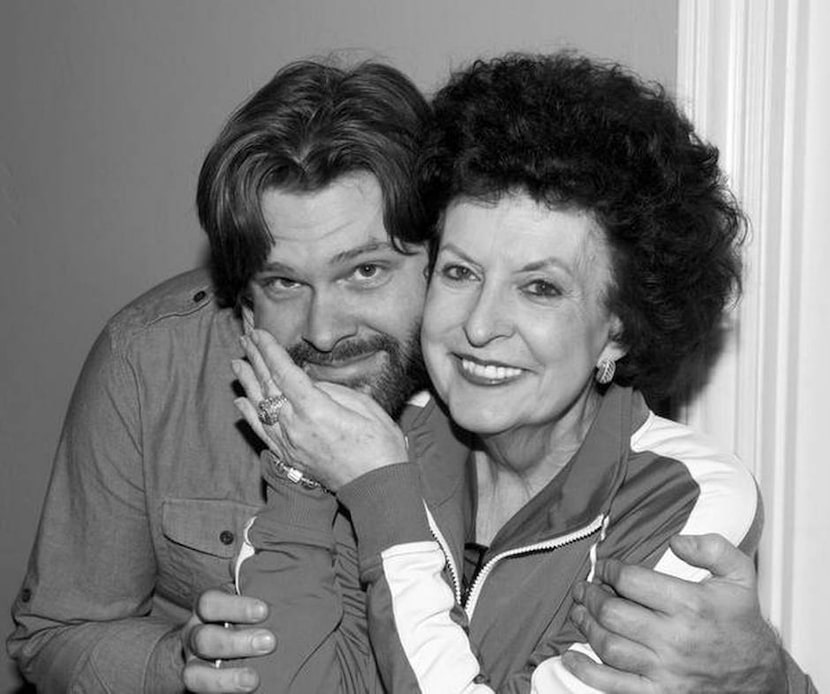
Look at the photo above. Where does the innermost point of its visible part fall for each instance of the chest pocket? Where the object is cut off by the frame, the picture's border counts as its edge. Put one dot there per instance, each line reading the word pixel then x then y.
pixel 202 536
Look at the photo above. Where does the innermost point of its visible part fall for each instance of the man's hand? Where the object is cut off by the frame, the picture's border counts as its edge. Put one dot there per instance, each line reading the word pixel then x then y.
pixel 206 640
pixel 656 633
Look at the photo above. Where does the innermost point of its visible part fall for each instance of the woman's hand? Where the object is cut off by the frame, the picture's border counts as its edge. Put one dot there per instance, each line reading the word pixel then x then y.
pixel 332 433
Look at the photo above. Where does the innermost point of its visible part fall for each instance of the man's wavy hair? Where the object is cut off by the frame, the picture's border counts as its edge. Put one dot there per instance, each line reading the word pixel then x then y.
pixel 574 133
pixel 311 124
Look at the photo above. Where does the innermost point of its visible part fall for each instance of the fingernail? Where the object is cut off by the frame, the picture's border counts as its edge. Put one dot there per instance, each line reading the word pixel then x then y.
pixel 579 592
pixel 259 610
pixel 576 614
pixel 235 366
pixel 248 679
pixel 264 642
pixel 243 340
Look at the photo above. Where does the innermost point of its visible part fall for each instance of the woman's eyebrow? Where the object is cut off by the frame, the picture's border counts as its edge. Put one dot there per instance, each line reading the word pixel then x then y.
pixel 542 264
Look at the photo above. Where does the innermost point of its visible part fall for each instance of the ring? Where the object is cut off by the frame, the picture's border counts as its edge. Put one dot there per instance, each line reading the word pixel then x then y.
pixel 269 409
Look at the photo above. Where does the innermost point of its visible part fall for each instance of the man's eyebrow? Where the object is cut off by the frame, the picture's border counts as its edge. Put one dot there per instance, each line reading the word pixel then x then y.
pixel 352 253
pixel 338 258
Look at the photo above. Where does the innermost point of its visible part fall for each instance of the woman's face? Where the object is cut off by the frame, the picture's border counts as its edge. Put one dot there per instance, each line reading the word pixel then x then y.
pixel 515 320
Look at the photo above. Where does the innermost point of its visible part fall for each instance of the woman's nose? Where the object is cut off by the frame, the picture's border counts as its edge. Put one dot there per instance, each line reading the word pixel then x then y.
pixel 489 318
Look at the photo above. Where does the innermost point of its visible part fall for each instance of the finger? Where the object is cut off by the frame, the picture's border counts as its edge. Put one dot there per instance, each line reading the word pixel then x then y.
pixel 649 588
pixel 250 383
pixel 717 554
pixel 616 614
pixel 616 650
pixel 199 676
pixel 261 372
pixel 212 642
pixel 270 435
pixel 247 406
pixel 294 383
pixel 354 400
pixel 219 607
pixel 602 677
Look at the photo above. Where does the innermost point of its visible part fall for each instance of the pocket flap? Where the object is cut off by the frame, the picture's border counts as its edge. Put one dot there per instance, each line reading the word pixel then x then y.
pixel 212 526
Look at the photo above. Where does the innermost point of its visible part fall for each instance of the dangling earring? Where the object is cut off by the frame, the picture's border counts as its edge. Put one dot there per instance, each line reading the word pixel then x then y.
pixel 605 371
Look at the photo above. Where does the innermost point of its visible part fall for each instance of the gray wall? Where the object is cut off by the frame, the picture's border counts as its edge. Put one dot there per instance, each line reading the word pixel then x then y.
pixel 106 109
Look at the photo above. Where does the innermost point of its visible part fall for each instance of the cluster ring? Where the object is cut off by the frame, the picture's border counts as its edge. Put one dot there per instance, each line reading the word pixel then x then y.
pixel 269 409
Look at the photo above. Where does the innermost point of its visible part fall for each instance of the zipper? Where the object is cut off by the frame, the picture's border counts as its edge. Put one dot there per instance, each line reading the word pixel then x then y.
pixel 445 548
pixel 475 590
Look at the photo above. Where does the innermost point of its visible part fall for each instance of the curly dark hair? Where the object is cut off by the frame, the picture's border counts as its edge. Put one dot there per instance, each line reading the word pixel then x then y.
pixel 312 123
pixel 575 133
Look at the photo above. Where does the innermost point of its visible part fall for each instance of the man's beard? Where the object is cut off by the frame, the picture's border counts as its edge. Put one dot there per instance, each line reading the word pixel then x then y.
pixel 402 375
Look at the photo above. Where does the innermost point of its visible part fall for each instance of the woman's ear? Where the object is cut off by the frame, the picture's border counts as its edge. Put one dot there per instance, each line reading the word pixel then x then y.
pixel 614 349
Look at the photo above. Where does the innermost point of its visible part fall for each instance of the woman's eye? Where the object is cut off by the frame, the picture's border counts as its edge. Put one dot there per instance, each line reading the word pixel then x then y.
pixel 366 271
pixel 281 283
pixel 541 288
pixel 456 273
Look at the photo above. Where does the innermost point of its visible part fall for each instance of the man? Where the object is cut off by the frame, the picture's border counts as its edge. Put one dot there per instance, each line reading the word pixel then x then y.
pixel 155 474
pixel 317 235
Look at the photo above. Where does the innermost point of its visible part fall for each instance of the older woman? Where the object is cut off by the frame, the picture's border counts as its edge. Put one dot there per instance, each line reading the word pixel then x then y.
pixel 587 251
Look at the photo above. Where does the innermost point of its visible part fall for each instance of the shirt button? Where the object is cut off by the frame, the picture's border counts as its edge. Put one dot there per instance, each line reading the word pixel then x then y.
pixel 226 537
pixel 198 296
pixel 25 595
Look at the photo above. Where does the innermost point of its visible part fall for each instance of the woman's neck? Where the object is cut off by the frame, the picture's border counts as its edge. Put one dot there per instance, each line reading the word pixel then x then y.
pixel 515 465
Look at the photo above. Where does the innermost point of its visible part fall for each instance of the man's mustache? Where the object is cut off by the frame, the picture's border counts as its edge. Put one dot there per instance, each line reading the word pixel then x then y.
pixel 305 353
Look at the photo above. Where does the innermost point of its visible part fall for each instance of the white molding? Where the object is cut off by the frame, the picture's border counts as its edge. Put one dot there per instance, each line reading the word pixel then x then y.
pixel 739 77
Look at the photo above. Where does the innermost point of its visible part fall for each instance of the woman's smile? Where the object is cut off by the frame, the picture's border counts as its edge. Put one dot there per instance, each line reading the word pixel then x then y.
pixel 485 373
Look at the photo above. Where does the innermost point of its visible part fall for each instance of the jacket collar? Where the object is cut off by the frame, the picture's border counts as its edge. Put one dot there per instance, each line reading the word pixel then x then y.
pixel 576 496
pixel 440 448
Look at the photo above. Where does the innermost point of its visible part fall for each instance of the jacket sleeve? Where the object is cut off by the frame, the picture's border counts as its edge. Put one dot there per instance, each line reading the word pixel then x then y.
pixel 299 556
pixel 415 625
pixel 689 487
pixel 81 615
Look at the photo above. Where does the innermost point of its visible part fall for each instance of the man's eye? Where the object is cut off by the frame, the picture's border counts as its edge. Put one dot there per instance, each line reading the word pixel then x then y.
pixel 541 288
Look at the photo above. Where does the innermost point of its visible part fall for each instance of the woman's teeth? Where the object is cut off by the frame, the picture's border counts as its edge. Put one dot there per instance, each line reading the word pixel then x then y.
pixel 489 371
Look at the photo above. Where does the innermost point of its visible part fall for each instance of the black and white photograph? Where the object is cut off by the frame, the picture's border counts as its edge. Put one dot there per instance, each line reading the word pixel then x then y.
pixel 378 347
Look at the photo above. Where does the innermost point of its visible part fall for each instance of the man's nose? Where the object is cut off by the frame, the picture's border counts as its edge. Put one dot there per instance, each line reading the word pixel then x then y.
pixel 329 320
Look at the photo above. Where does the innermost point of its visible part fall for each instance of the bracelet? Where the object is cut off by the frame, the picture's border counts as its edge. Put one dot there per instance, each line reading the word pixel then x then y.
pixel 295 475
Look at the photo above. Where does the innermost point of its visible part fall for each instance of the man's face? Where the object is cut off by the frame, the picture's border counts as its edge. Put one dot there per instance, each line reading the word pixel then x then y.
pixel 337 295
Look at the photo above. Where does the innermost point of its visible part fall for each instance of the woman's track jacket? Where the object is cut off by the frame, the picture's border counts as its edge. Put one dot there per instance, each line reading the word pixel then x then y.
pixel 636 481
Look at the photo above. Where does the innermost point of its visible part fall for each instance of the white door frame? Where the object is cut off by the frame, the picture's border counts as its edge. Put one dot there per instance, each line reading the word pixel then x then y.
pixel 741 66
